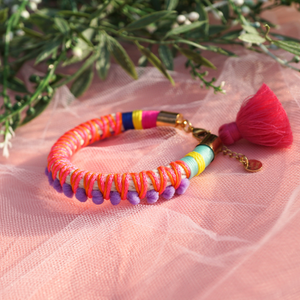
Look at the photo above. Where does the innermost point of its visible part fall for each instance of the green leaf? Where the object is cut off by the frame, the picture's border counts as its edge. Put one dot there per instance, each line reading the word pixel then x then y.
pixel 39 107
pixel 16 121
pixel 156 4
pixel 171 4
pixel 87 41
pixel 62 25
pixel 17 85
pixel 69 13
pixel 192 44
pixel 196 57
pixel 166 56
pixel 226 12
pixel 200 9
pixel 75 59
pixel 43 22
pixel 154 60
pixel 220 51
pixel 289 46
pixel 250 29
pixel 103 61
pixel 148 19
pixel 252 38
pixel 82 83
pixel 3 15
pixel 284 37
pixel 48 49
pixel 231 35
pixel 122 58
pixel 216 29
pixel 185 28
pixel 58 78
pixel 33 33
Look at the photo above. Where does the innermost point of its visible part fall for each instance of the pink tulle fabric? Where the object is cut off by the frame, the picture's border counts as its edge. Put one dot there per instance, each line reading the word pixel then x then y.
pixel 231 235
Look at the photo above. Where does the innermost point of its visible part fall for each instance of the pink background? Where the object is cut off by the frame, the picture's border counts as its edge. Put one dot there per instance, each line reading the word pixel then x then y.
pixel 233 235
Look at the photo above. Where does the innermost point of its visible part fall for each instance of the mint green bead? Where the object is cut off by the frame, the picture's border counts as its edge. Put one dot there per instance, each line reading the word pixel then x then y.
pixel 206 153
pixel 190 161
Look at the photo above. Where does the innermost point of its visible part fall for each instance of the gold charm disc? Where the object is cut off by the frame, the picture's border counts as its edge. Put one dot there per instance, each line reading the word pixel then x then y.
pixel 253 165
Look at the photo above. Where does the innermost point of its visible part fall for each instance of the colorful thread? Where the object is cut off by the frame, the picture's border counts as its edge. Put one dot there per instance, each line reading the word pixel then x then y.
pixel 66 178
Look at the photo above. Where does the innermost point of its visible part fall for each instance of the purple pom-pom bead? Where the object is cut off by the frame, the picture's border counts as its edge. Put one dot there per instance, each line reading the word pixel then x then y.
pixel 133 197
pixel 152 196
pixel 97 197
pixel 67 189
pixel 81 195
pixel 57 185
pixel 115 198
pixel 46 172
pixel 184 184
pixel 50 179
pixel 169 192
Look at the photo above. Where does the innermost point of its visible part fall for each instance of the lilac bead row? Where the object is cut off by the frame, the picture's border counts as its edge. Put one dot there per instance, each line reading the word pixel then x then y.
pixel 115 197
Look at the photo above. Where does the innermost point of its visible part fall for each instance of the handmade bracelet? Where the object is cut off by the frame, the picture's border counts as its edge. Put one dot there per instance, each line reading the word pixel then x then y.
pixel 173 178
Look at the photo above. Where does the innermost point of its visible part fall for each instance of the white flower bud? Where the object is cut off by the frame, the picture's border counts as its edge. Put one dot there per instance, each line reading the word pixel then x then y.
pixel 217 14
pixel 36 1
pixel 20 32
pixel 222 84
pixel 239 2
pixel 10 36
pixel 32 6
pixel 193 16
pixel 175 25
pixel 181 19
pixel 25 14
pixel 247 44
pixel 77 52
pixel 245 10
pixel 14 8
pixel 187 22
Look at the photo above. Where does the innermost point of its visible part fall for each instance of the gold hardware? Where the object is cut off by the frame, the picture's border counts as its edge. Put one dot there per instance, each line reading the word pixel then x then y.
pixel 166 118
pixel 212 141
pixel 185 125
pixel 200 133
pixel 250 165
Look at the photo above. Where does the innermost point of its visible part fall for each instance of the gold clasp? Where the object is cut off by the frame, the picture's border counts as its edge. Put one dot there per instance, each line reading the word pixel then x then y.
pixel 200 133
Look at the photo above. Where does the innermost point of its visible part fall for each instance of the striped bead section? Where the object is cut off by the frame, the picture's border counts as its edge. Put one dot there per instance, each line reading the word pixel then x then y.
pixel 137 119
pixel 198 159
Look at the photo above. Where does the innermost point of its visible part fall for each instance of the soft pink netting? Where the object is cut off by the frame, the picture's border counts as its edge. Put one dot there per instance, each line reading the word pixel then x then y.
pixel 233 235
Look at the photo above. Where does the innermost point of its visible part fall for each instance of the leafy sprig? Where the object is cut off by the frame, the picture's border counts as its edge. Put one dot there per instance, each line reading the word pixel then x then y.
pixel 66 32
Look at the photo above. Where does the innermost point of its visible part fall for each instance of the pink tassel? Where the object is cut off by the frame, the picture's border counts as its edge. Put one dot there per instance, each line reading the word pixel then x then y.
pixel 261 120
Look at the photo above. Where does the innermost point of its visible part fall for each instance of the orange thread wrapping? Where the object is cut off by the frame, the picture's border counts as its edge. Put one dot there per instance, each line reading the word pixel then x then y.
pixel 89 132
pixel 144 184
pixel 152 176
pixel 177 172
pixel 185 168
pixel 163 179
pixel 124 186
pixel 99 182
pixel 137 187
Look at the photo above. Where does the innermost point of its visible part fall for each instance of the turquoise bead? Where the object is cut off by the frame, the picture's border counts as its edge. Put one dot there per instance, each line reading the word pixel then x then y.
pixel 207 154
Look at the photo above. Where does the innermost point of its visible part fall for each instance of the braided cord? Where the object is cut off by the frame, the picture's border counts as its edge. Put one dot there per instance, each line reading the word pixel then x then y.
pixel 61 168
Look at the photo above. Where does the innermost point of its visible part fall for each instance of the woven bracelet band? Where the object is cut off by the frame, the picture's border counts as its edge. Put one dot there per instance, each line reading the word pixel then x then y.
pixel 165 180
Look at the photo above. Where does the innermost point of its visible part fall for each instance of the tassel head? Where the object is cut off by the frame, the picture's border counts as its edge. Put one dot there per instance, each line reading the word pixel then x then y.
pixel 261 120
